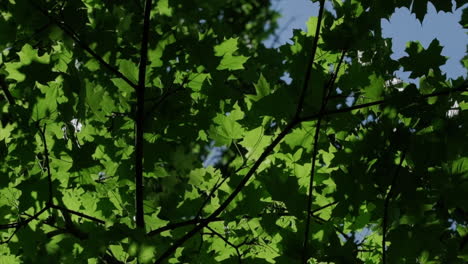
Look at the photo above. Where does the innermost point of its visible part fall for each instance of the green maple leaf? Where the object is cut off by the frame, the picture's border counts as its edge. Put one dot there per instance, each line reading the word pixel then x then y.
pixel 229 61
pixel 262 87
pixel 27 56
pixel 421 60
pixel 228 46
pixel 226 127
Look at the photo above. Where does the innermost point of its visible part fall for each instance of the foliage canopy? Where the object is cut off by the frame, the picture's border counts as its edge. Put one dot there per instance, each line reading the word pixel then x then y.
pixel 342 164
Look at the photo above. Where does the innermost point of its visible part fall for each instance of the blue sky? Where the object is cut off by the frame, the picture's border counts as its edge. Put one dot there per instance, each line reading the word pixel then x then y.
pixel 402 27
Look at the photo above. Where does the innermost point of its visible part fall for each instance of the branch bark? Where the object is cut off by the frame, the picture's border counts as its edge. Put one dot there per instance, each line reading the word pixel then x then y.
pixel 311 61
pixel 139 214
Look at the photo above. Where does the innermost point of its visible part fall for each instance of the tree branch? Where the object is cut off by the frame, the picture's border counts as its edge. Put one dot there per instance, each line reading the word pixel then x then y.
pixel 20 224
pixel 202 223
pixel 325 97
pixel 231 197
pixel 47 164
pixel 323 207
pixel 461 88
pixel 311 61
pixel 172 226
pixel 386 203
pixel 239 255
pixel 80 43
pixel 64 209
pixel 4 87
pixel 140 110
pixel 320 220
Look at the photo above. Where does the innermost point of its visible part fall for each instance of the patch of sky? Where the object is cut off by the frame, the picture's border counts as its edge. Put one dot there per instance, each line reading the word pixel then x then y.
pixel 402 27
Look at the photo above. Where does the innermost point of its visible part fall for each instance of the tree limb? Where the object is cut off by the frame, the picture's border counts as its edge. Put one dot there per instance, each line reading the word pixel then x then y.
pixel 47 164
pixel 140 110
pixel 461 88
pixel 4 87
pixel 325 97
pixel 20 224
pixel 239 255
pixel 64 209
pixel 311 61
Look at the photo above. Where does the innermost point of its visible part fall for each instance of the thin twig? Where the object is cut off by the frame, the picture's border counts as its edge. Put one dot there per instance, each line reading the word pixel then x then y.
pixel 20 224
pixel 461 88
pixel 4 87
pixel 217 185
pixel 323 207
pixel 325 96
pixel 94 219
pixel 311 61
pixel 47 163
pixel 386 203
pixel 195 221
pixel 227 242
pixel 320 220
pixel 172 226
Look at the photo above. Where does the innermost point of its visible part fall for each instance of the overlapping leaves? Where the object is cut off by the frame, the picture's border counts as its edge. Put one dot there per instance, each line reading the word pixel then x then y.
pixel 227 159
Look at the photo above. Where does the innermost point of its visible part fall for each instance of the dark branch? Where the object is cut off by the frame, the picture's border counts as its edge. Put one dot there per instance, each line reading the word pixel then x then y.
pixel 239 255
pixel 83 45
pixel 461 88
pixel 231 197
pixel 64 209
pixel 195 221
pixel 323 207
pixel 386 203
pixel 20 224
pixel 320 220
pixel 311 61
pixel 218 184
pixel 325 97
pixel 4 87
pixel 140 118
pixel 47 163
